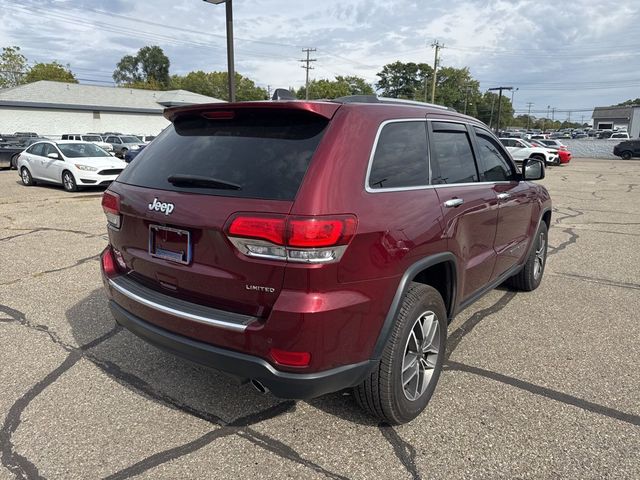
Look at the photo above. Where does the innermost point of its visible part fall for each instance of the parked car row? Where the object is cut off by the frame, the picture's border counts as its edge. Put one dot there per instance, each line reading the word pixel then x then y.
pixel 118 144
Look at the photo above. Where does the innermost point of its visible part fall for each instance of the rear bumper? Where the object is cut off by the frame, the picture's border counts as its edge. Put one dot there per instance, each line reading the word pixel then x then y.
pixel 281 384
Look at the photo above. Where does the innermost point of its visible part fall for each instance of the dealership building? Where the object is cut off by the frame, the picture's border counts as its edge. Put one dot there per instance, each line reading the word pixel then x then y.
pixel 622 117
pixel 54 108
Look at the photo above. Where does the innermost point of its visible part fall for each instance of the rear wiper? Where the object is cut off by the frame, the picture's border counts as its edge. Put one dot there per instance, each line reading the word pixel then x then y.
pixel 183 180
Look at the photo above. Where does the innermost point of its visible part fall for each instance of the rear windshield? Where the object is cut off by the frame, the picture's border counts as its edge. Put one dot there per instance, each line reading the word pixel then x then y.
pixel 265 153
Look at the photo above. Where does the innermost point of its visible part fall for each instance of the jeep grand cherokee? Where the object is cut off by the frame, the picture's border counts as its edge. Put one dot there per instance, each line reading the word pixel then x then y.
pixel 312 246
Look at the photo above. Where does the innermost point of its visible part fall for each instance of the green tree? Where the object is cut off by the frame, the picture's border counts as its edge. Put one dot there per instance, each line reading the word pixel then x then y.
pixel 149 66
pixel 357 85
pixel 215 84
pixel 13 67
pixel 405 80
pixel 53 71
pixel 629 102
pixel 487 110
pixel 340 87
pixel 455 87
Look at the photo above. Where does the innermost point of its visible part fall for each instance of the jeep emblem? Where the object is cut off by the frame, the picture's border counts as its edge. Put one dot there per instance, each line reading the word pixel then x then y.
pixel 165 208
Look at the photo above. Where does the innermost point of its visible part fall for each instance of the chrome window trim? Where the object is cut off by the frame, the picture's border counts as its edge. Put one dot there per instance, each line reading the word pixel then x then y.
pixel 367 188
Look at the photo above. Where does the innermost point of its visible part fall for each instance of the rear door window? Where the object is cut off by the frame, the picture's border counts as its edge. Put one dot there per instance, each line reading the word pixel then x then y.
pixel 264 153
pixel 451 154
pixel 401 158
pixel 36 149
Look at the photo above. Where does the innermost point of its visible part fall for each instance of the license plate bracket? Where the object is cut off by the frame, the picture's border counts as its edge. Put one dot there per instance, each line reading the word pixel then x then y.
pixel 171 244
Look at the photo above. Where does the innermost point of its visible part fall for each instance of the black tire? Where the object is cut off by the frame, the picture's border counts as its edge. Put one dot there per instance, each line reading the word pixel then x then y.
pixel 530 276
pixel 540 157
pixel 69 181
pixel 25 176
pixel 627 155
pixel 383 394
pixel 14 162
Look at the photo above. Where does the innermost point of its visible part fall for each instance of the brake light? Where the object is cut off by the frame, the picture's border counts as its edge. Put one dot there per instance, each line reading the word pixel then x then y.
pixel 111 208
pixel 290 359
pixel 270 229
pixel 297 239
pixel 219 115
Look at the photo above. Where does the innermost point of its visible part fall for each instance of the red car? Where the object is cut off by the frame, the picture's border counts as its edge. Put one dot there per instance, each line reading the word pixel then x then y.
pixel 315 246
pixel 564 155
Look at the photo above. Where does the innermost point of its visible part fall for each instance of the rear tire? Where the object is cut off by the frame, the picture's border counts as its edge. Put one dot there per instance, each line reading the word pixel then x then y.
pixel 627 155
pixel 401 385
pixel 529 278
pixel 25 176
pixel 69 182
pixel 13 164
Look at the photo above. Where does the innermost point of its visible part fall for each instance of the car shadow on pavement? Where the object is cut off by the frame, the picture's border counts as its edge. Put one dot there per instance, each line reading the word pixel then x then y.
pixel 158 375
pixel 176 382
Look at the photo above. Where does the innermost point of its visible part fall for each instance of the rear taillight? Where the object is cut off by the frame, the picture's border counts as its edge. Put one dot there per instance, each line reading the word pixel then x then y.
pixel 297 239
pixel 111 207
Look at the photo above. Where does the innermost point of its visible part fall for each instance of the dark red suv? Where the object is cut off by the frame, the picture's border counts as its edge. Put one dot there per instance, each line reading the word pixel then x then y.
pixel 314 246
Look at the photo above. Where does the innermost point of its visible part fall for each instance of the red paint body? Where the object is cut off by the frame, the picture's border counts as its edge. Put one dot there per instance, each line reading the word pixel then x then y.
pixel 335 311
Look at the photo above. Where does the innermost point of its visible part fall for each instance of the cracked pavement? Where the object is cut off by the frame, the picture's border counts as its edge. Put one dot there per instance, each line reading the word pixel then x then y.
pixel 536 385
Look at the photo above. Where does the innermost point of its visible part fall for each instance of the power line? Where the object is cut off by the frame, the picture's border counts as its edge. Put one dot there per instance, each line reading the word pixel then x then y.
pixel 307 67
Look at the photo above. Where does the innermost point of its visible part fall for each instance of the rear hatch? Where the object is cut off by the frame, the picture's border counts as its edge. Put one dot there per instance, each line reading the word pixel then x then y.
pixel 183 188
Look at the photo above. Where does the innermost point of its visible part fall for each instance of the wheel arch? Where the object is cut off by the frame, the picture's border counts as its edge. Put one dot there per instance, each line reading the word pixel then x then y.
pixel 438 271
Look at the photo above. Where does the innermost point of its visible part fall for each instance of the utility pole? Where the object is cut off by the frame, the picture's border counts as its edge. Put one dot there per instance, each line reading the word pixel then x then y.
pixel 499 104
pixel 437 46
pixel 493 102
pixel 553 114
pixel 466 99
pixel 569 119
pixel 268 92
pixel 529 104
pixel 308 67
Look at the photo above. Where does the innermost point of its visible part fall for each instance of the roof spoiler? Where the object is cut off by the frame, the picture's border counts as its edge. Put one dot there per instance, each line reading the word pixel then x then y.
pixel 226 110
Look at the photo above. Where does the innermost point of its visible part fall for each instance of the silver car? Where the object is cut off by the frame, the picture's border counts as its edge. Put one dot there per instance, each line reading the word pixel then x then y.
pixel 123 143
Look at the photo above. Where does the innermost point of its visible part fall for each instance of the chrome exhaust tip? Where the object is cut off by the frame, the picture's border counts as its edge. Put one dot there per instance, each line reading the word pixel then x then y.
pixel 259 386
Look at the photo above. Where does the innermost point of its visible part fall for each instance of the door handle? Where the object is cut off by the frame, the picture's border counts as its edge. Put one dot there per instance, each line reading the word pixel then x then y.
pixel 503 196
pixel 454 202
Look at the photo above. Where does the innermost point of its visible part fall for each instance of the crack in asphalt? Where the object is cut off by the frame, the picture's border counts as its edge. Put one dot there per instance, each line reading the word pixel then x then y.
pixel 467 327
pixel 18 464
pixel 54 270
pixel 573 238
pixel 47 229
pixel 601 281
pixel 24 469
pixel 548 393
pixel 405 452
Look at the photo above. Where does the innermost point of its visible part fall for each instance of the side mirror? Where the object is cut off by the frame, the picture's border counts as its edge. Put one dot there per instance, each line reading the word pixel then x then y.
pixel 54 155
pixel 532 169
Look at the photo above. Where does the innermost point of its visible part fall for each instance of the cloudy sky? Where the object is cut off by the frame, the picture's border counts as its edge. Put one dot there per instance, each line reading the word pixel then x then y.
pixel 568 55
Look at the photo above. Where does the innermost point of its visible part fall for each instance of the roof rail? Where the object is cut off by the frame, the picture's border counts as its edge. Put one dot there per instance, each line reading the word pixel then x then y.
pixel 376 99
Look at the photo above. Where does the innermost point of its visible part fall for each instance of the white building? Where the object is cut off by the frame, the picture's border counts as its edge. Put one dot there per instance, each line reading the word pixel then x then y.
pixel 620 117
pixel 54 108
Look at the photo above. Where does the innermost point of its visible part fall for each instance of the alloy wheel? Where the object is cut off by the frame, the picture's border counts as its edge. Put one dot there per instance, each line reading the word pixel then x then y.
pixel 541 252
pixel 420 355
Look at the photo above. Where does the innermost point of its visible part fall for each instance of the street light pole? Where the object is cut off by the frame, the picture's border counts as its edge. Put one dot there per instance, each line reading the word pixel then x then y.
pixel 230 58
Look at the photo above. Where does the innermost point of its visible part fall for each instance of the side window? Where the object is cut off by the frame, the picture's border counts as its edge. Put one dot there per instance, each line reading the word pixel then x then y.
pixel 400 159
pixel 494 165
pixel 116 140
pixel 36 149
pixel 452 155
pixel 65 137
pixel 47 149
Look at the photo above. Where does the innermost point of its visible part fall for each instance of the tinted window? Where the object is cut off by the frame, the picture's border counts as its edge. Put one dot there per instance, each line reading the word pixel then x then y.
pixel 452 156
pixel 400 159
pixel 494 166
pixel 47 149
pixel 91 138
pixel 265 153
pixel 130 139
pixel 36 149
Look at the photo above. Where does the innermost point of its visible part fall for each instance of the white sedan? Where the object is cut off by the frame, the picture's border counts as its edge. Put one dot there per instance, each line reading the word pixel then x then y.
pixel 69 163
pixel 521 150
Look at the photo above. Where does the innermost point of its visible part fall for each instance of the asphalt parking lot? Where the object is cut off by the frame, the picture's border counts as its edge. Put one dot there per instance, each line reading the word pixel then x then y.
pixel 537 385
